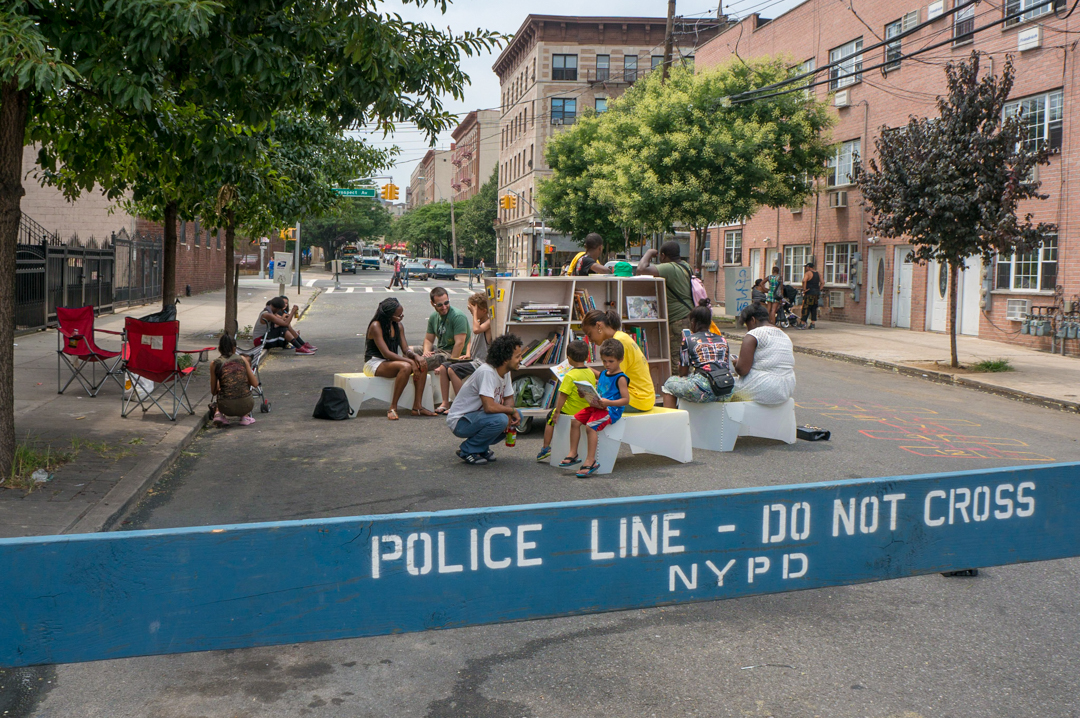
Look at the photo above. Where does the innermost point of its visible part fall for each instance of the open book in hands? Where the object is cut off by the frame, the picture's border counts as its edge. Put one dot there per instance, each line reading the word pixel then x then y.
pixel 588 393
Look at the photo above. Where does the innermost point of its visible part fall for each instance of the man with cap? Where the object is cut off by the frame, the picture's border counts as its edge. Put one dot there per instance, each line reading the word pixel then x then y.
pixel 811 284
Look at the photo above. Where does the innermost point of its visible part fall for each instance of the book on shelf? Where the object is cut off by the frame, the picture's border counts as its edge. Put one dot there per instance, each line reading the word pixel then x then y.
pixel 539 312
pixel 541 350
pixel 642 308
pixel 550 389
pixel 583 303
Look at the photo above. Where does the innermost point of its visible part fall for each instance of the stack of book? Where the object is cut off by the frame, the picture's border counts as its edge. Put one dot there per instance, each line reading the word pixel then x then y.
pixel 551 390
pixel 639 336
pixel 583 303
pixel 594 351
pixel 538 312
pixel 543 351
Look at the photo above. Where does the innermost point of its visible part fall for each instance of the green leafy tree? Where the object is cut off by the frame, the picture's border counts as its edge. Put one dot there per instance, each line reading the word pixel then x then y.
pixel 353 221
pixel 951 185
pixel 123 94
pixel 425 230
pixel 570 205
pixel 476 221
pixel 684 153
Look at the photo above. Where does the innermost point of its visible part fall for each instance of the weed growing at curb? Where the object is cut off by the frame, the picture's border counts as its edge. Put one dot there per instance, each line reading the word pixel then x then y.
pixel 28 459
pixel 992 366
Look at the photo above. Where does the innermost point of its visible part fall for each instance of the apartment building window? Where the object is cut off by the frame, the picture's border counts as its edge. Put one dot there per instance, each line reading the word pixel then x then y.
pixel 564 67
pixel 838 262
pixel 964 25
pixel 603 67
pixel 843 164
pixel 657 61
pixel 563 110
pixel 795 258
pixel 196 233
pixel 848 71
pixel 629 63
pixel 217 236
pixel 1042 118
pixel 805 68
pixel 1030 271
pixel 893 51
pixel 601 105
pixel 182 238
pixel 733 246
pixel 1014 6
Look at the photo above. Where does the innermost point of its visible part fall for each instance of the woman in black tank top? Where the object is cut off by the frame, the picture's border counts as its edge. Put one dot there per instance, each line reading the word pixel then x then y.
pixel 388 354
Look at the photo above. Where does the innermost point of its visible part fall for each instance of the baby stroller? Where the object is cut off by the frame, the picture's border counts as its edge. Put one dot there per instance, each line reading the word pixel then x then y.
pixel 785 315
pixel 255 356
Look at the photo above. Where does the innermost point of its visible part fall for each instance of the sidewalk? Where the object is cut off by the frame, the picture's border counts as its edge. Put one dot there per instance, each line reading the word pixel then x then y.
pixel 1039 377
pixel 114 458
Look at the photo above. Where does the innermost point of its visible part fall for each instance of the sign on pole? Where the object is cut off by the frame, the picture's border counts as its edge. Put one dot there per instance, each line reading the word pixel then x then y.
pixel 113 595
pixel 371 192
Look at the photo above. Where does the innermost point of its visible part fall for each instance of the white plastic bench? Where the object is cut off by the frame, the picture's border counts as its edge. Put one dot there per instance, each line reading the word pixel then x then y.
pixel 360 388
pixel 665 432
pixel 715 426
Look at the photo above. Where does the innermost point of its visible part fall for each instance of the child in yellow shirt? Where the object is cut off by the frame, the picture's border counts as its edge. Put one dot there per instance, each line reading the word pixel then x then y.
pixel 569 402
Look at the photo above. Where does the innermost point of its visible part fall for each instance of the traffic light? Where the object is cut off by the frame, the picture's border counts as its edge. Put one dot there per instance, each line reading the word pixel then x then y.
pixel 508 201
pixel 390 191
pixel 287 233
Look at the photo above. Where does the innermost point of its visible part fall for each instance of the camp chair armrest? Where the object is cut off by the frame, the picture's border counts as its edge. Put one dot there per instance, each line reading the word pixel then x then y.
pixel 70 333
pixel 201 352
pixel 109 331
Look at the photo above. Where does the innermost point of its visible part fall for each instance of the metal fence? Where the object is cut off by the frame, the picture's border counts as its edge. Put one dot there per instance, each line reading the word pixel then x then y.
pixel 50 273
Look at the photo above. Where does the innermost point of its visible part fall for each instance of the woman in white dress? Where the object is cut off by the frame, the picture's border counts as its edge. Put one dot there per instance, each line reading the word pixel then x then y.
pixel 765 369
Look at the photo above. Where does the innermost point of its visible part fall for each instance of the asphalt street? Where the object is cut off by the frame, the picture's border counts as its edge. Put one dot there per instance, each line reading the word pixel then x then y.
pixel 1002 644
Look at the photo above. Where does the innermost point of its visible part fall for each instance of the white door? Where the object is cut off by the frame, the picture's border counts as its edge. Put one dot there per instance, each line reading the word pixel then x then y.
pixel 937 297
pixel 902 286
pixel 755 265
pixel 969 296
pixel 875 270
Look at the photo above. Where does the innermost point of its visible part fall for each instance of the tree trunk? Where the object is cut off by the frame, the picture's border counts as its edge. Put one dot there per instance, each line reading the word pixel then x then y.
pixel 230 282
pixel 952 313
pixel 168 257
pixel 699 249
pixel 13 114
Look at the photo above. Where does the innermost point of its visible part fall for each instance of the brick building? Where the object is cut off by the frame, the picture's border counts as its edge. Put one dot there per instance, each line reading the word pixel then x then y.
pixel 430 179
pixel 475 153
pixel 553 69
pixel 883 288
pixel 200 255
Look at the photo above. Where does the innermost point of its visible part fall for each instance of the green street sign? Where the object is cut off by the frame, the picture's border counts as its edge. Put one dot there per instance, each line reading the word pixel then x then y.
pixel 357 191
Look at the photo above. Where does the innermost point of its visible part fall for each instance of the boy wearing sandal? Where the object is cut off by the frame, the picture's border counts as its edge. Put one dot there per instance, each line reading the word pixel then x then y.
pixel 569 401
pixel 613 388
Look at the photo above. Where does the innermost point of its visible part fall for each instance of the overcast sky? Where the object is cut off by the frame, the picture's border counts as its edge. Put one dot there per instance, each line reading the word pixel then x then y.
pixel 483 91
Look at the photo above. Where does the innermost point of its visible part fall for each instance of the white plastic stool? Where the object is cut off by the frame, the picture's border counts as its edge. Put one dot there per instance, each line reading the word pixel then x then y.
pixel 360 387
pixel 665 432
pixel 715 426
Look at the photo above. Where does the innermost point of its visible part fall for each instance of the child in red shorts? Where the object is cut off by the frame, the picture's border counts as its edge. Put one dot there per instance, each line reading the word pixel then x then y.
pixel 613 390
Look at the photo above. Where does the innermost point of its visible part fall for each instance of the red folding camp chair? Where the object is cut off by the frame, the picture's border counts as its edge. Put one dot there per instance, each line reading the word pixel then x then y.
pixel 152 354
pixel 76 348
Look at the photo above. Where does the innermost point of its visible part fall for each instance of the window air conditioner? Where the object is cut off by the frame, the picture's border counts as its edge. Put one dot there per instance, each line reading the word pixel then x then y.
pixel 842 98
pixel 837 200
pixel 796 210
pixel 836 299
pixel 556 121
pixel 1017 310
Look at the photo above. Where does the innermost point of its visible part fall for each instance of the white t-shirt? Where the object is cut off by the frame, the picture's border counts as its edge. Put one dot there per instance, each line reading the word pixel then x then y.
pixel 485 381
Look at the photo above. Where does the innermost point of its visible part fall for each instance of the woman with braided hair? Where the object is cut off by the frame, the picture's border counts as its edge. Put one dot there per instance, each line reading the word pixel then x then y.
pixel 387 355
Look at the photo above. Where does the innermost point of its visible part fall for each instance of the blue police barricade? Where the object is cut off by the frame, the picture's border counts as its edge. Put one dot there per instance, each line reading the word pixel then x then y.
pixel 113 595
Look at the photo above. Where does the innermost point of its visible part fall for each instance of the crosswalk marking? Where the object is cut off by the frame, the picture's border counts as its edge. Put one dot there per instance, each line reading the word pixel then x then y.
pixel 409 289
pixel 329 290
pixel 310 283
pixel 369 290
pixel 349 290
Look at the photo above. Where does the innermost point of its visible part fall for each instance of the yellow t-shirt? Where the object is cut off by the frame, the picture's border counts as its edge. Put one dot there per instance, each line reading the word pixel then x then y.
pixel 575 403
pixel 636 367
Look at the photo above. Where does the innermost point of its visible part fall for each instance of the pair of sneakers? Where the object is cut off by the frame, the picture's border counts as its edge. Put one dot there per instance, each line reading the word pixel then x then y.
pixel 477 459
pixel 220 420
pixel 307 348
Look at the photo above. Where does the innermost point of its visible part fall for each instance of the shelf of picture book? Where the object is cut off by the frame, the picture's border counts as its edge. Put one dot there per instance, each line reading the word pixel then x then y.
pixel 539 313
pixel 545 350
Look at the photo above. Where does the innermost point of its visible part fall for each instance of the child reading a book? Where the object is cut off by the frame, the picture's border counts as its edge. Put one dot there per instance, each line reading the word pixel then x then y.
pixel 569 401
pixel 606 404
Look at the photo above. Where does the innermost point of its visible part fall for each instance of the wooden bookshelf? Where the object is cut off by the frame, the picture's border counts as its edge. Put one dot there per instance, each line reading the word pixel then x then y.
pixel 606 292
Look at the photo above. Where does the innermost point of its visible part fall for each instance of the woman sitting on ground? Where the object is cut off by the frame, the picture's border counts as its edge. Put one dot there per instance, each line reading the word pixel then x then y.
pixel 387 355
pixel 231 379
pixel 765 368
pixel 709 348
pixel 599 326
pixel 456 373
pixel 757 292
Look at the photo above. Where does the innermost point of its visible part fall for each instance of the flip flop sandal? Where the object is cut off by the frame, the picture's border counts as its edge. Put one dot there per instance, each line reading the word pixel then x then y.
pixel 588 470
pixel 569 461
pixel 441 410
pixel 392 415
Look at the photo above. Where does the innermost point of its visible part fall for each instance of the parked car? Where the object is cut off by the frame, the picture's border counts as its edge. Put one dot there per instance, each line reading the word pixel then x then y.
pixel 441 270
pixel 416 270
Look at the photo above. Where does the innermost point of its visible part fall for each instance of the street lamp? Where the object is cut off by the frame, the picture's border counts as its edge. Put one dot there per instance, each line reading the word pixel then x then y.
pixel 543 229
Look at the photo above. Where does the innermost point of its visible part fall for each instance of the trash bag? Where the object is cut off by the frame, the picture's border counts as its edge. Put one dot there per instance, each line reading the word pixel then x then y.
pixel 528 391
pixel 168 314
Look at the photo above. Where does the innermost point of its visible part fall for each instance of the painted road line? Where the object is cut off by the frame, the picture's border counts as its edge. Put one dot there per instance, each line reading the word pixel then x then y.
pixel 369 290
pixel 310 283
pixel 409 289
pixel 113 595
pixel 350 290
pixel 329 290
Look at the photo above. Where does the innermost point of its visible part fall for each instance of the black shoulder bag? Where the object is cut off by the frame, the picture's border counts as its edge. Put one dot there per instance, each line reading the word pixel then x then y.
pixel 719 376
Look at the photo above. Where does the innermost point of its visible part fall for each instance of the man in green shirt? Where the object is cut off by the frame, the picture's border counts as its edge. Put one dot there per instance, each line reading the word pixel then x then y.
pixel 448 329
pixel 680 293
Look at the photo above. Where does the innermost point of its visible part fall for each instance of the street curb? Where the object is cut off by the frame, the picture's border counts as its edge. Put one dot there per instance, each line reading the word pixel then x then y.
pixel 938 377
pixel 311 299
pixel 127 492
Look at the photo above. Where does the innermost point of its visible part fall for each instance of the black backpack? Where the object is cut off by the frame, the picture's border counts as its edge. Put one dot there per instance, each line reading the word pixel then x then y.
pixel 333 404
pixel 718 375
